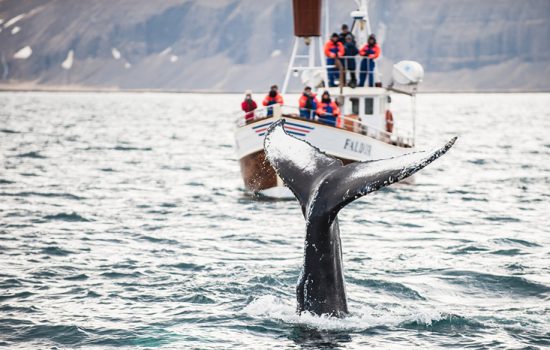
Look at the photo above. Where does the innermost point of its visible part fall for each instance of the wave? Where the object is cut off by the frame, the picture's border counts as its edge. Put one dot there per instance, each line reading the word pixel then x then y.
pixel 447 323
pixel 130 148
pixel 18 309
pixel 9 131
pixel 56 251
pixel 155 239
pixel 42 335
pixel 498 284
pixel 42 194
pixel 469 249
pixel 79 277
pixel 388 287
pixel 196 299
pixel 270 307
pixel 501 219
pixel 186 266
pixel 20 295
pixel 117 148
pixel 117 275
pixel 508 252
pixel 266 281
pixel 62 334
pixel 35 155
pixel 72 217
pixel 515 241
pixel 10 283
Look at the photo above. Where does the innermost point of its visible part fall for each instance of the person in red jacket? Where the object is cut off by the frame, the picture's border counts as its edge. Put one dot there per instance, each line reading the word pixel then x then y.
pixel 272 98
pixel 328 110
pixel 308 103
pixel 248 106
pixel 333 50
pixel 370 51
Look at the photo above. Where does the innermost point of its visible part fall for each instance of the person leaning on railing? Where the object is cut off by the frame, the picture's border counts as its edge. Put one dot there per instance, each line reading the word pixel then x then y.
pixel 272 98
pixel 248 106
pixel 349 62
pixel 371 51
pixel 328 110
pixel 333 50
pixel 308 103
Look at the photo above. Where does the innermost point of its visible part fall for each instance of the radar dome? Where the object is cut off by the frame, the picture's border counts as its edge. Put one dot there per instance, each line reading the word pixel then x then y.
pixel 408 72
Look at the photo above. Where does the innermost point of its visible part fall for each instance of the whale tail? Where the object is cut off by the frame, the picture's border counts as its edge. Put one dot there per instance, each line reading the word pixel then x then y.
pixel 323 185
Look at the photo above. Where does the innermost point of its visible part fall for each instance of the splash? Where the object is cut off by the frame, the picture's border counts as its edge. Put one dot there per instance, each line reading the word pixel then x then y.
pixel 365 317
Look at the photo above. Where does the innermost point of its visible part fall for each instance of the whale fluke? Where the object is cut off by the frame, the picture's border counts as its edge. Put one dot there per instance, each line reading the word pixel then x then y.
pixel 298 163
pixel 312 174
pixel 323 186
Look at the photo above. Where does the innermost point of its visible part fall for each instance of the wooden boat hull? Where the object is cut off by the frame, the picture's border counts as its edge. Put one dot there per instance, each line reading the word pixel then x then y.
pixel 345 144
pixel 257 174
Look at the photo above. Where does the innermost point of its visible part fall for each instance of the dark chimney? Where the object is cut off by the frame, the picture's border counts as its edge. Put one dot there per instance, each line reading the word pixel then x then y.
pixel 307 17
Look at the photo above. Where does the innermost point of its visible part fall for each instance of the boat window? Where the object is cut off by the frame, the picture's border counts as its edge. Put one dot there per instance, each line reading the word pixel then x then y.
pixel 354 105
pixel 369 106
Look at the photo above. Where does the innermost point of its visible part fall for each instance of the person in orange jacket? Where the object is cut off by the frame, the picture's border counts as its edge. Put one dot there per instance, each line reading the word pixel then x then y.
pixel 328 110
pixel 333 50
pixel 272 98
pixel 370 51
pixel 248 106
pixel 308 103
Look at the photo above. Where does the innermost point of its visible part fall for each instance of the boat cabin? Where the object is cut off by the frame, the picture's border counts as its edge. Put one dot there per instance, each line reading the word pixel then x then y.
pixel 367 110
pixel 369 105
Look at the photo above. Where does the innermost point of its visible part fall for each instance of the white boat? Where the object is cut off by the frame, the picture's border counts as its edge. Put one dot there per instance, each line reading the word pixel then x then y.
pixel 365 129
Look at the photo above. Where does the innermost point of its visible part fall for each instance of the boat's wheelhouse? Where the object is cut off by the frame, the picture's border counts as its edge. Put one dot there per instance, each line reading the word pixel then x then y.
pixel 369 105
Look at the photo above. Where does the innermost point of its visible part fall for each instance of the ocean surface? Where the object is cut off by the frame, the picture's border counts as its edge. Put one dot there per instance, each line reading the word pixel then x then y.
pixel 124 223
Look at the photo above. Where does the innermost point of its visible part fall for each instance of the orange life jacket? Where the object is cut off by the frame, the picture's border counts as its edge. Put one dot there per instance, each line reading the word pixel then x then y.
pixel 328 108
pixel 303 100
pixel 375 49
pixel 332 49
pixel 268 100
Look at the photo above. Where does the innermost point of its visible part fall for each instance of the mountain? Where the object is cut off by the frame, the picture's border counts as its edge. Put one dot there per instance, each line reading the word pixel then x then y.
pixel 229 45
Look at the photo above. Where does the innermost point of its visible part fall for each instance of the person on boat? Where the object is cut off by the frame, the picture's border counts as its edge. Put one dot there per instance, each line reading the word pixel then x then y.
pixel 344 33
pixel 308 103
pixel 349 62
pixel 328 110
pixel 370 51
pixel 248 106
pixel 272 98
pixel 333 50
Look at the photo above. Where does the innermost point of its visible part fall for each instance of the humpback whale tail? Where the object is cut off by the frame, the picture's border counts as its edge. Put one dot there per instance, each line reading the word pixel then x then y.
pixel 323 185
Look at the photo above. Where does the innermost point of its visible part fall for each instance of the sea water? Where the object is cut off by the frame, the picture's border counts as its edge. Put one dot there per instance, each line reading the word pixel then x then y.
pixel 124 223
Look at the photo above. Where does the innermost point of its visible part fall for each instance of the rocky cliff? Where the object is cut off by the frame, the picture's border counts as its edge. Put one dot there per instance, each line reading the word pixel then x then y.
pixel 229 45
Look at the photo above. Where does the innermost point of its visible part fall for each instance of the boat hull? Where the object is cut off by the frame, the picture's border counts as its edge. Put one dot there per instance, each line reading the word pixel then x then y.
pixel 345 144
pixel 257 174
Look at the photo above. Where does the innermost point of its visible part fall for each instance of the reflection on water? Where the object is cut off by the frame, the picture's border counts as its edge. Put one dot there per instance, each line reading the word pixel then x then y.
pixel 308 338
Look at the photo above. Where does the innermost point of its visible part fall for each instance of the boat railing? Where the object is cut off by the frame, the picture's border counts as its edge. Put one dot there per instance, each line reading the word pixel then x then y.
pixel 349 122
pixel 244 118
pixel 354 65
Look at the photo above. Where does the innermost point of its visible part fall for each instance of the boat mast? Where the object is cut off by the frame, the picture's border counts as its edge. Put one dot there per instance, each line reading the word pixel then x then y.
pixel 361 16
pixel 307 31
pixel 327 19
